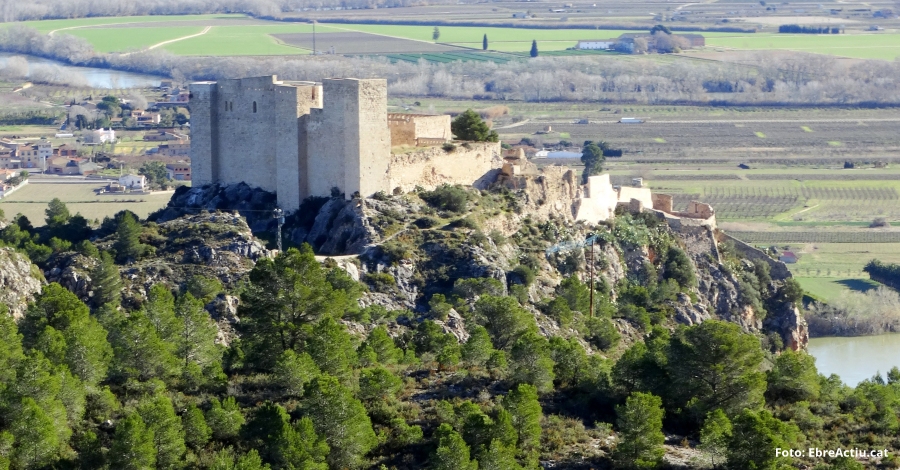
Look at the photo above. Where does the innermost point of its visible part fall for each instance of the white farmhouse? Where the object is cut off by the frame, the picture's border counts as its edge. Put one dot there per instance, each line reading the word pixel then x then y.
pixel 597 44
pixel 100 136
pixel 133 182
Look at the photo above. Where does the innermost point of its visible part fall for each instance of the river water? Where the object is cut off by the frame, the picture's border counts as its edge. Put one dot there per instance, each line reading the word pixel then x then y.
pixel 92 76
pixel 856 358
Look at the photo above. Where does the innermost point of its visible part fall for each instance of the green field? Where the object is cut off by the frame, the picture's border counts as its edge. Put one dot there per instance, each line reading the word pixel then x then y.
pixel 832 288
pixel 47 26
pixel 254 39
pixel 241 40
pixel 861 46
pixel 115 39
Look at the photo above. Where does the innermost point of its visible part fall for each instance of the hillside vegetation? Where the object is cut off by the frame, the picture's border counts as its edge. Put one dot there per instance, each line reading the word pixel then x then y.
pixel 454 343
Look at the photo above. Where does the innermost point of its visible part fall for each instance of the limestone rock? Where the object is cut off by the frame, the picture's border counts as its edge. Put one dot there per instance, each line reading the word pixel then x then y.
pixel 20 281
pixel 791 325
pixel 687 313
pixel 72 271
pixel 455 325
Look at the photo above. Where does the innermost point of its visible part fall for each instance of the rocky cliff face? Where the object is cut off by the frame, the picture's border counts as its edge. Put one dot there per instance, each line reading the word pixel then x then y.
pixel 20 281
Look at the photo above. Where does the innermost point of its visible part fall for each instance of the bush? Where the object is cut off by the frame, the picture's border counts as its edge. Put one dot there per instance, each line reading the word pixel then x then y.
pixel 524 274
pixel 427 222
pixel 602 333
pixel 447 198
pixel 380 282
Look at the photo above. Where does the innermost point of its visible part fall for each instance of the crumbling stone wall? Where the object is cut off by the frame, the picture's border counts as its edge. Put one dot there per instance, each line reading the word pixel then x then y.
pixel 418 129
pixel 474 163
pixel 779 270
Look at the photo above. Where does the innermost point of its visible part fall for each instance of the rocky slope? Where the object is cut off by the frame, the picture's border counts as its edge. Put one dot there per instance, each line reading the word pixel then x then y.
pixel 20 281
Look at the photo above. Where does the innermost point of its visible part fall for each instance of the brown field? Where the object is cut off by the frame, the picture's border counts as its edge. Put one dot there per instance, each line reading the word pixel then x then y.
pixel 32 200
pixel 361 43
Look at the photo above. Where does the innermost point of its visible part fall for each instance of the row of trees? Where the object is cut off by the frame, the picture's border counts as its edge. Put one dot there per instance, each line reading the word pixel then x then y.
pixel 797 29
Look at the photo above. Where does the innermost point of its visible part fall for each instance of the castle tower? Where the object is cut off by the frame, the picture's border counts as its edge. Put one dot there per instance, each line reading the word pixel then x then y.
pixel 203 129
pixel 348 140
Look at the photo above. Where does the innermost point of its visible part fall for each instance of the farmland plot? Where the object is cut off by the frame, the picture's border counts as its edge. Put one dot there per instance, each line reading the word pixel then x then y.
pixel 347 42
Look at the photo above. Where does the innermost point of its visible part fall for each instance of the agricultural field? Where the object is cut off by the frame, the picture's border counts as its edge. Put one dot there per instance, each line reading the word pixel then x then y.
pixel 32 200
pixel 113 40
pixel 353 42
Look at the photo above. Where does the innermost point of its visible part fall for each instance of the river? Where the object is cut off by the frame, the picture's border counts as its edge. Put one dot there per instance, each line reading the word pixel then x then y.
pixel 856 358
pixel 93 77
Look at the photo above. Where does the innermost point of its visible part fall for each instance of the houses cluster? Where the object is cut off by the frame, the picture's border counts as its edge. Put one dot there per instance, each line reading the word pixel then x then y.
pixel 40 156
pixel 626 42
pixel 173 144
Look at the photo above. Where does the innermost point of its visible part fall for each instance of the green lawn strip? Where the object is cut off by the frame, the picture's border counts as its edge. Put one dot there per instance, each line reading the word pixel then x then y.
pixel 827 288
pixel 125 39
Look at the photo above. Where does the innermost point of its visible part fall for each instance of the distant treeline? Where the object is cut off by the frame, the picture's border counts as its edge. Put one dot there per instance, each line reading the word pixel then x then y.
pixel 885 273
pixel 35 118
pixel 797 29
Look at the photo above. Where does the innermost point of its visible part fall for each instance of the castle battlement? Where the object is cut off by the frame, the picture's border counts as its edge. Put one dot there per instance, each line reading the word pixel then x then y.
pixel 300 139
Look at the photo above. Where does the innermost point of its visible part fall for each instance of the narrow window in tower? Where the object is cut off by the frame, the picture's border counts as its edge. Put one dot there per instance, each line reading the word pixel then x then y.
pixel 254 106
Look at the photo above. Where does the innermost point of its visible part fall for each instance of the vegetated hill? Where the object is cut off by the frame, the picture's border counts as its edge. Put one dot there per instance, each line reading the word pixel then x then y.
pixel 452 337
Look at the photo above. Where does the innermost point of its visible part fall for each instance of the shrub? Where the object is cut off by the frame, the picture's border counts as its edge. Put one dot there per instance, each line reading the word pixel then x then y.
pixel 447 198
pixel 380 282
pixel 524 274
pixel 602 333
pixel 427 222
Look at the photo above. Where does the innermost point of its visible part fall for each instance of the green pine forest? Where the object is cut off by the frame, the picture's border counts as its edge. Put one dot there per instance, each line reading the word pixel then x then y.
pixel 312 380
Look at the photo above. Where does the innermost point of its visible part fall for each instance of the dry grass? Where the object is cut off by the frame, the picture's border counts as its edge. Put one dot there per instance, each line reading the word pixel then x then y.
pixel 32 200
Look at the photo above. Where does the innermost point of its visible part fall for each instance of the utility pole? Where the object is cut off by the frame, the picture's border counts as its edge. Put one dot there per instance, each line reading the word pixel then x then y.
pixel 314 37
pixel 278 215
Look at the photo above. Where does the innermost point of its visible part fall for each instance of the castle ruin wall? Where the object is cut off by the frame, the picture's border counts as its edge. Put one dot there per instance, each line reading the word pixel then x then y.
pixel 431 167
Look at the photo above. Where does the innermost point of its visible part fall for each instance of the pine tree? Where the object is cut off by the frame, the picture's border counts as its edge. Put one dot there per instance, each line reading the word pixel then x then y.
pixel 293 371
pixel 83 341
pixel 342 420
pixel 284 297
pixel 386 352
pixel 470 126
pixel 37 442
pixel 132 446
pixel 196 431
pixel 139 351
pixel 525 410
pixel 484 43
pixel 498 457
pixel 128 245
pixel 531 363
pixel 197 336
pixel 331 347
pixel 11 353
pixel 168 434
pixel 714 437
pixel 224 418
pixel 534 49
pixel 640 432
pixel 107 283
pixel 452 452
pixel 57 214
pixel 478 349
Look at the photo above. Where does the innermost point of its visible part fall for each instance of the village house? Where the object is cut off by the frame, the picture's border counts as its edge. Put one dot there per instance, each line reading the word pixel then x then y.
pixel 100 136
pixel 164 135
pixel 597 44
pixel 65 150
pixel 180 171
pixel 788 257
pixel 175 149
pixel 34 155
pixel 71 166
pixel 8 159
pixel 133 182
pixel 145 118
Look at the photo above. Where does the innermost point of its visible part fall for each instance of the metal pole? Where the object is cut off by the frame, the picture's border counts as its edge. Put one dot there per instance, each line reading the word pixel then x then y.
pixel 314 37
pixel 278 214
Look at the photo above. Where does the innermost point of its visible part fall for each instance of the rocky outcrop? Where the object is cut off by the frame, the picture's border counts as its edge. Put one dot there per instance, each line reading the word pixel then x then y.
pixel 72 271
pixel 254 204
pixel 791 325
pixel 20 281
pixel 223 310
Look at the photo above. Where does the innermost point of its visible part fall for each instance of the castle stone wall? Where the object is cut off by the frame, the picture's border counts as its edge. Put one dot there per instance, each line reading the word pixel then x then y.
pixel 431 167
pixel 203 127
pixel 418 129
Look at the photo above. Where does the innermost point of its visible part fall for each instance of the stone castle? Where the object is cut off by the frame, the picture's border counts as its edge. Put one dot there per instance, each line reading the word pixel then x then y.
pixel 301 139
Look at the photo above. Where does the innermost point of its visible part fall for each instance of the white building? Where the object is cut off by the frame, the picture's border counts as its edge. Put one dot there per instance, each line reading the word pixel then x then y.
pixel 597 44
pixel 100 136
pixel 134 182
